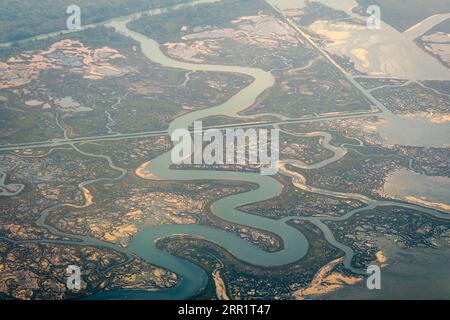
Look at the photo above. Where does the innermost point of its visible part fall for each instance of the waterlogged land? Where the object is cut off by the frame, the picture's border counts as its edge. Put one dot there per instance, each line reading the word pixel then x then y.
pixel 94 194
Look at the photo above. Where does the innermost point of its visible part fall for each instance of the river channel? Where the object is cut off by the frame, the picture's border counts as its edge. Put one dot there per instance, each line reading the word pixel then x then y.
pixel 192 278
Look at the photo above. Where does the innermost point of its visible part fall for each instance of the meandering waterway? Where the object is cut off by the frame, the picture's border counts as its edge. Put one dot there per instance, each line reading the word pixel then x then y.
pixel 192 278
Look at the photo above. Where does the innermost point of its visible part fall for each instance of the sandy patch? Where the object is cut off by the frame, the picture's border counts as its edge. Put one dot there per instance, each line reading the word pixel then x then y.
pixel 221 291
pixel 362 55
pixel 143 173
pixel 34 103
pixel 326 281
pixel 65 54
pixel 260 30
pixel 381 258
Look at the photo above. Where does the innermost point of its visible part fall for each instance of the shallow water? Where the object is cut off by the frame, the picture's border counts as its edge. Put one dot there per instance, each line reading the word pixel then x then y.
pixel 408 185
pixel 414 130
pixel 413 273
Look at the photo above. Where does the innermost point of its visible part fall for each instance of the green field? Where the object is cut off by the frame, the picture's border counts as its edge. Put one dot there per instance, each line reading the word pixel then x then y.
pixel 167 27
pixel 21 19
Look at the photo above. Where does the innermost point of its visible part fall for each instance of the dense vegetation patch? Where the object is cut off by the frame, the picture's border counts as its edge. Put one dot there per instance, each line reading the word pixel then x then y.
pixel 21 19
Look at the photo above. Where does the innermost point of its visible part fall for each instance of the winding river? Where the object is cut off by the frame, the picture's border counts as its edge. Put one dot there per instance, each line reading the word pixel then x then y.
pixel 295 245
pixel 193 279
pixel 9 190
